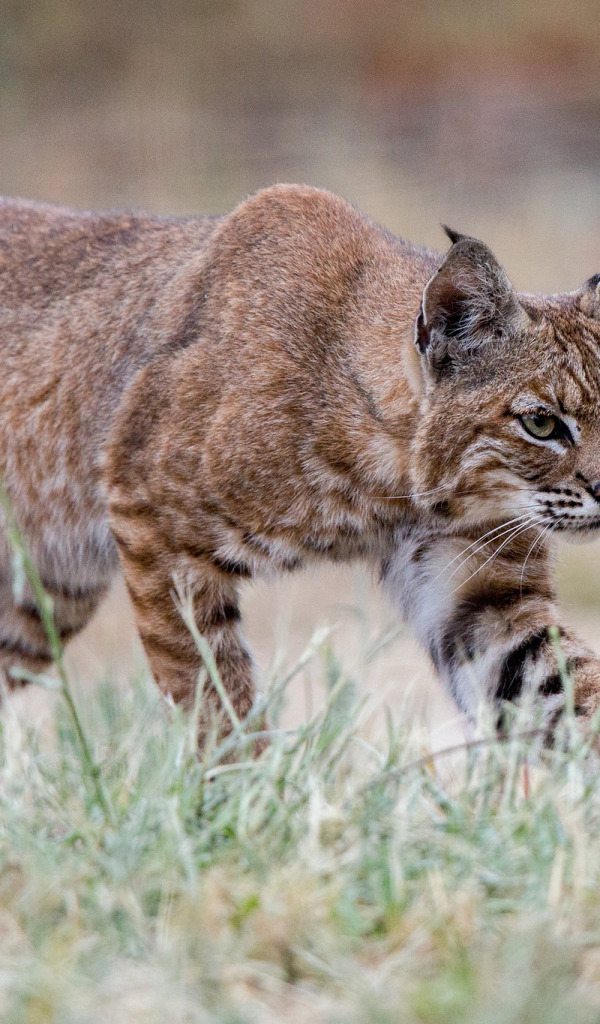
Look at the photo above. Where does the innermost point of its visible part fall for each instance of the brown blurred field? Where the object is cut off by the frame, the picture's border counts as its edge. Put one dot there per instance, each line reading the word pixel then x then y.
pixel 485 117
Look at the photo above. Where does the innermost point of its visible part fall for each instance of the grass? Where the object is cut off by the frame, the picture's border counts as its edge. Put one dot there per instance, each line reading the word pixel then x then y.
pixel 325 881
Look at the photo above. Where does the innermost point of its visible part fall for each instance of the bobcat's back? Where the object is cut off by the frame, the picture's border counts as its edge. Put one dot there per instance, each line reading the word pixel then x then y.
pixel 85 301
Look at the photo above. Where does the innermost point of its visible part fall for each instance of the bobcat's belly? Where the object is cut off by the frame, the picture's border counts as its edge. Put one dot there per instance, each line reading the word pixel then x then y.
pixel 65 526
pixel 81 558
pixel 75 557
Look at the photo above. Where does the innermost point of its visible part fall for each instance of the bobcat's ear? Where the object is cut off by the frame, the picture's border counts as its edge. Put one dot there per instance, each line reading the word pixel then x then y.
pixel 467 302
pixel 589 297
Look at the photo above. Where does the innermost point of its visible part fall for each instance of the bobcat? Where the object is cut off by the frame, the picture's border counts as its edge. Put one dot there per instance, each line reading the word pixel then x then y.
pixel 216 399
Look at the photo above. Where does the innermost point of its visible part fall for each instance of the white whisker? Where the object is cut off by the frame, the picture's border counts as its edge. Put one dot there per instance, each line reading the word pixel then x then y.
pixel 513 533
pixel 541 535
pixel 413 494
pixel 495 534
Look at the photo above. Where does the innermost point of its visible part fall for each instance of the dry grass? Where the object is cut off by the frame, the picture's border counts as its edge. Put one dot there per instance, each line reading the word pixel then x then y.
pixel 333 880
pixel 349 875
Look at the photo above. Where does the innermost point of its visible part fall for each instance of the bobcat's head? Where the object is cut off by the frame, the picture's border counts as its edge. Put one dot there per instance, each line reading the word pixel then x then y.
pixel 509 424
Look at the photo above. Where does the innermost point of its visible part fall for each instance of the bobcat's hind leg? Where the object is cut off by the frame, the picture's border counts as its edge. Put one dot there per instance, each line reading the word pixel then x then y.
pixel 24 642
pixel 150 571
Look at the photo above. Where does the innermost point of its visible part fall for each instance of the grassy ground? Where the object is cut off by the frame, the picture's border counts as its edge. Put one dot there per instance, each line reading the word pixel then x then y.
pixel 331 880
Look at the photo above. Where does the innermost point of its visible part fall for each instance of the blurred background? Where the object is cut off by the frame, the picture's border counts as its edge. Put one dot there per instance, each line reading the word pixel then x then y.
pixel 485 116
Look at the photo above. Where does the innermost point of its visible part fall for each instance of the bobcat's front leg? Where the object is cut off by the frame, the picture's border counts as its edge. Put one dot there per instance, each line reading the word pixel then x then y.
pixel 484 612
pixel 152 563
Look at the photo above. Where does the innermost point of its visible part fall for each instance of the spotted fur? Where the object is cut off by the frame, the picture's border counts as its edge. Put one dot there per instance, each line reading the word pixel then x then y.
pixel 206 401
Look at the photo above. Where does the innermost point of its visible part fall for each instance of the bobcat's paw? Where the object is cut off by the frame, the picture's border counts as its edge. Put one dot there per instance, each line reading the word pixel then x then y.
pixel 585 682
pixel 586 689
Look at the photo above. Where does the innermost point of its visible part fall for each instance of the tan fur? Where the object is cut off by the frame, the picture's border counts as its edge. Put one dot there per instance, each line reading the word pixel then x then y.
pixel 209 400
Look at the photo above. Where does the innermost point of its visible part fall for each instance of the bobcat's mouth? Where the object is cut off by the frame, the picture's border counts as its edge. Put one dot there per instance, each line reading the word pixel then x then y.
pixel 559 520
pixel 577 525
pixel 568 510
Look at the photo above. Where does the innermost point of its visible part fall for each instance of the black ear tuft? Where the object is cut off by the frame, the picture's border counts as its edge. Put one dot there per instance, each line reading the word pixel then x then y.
pixel 453 235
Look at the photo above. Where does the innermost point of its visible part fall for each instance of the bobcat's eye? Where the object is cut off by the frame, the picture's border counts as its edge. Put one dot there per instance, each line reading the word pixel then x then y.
pixel 541 424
